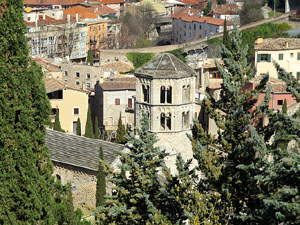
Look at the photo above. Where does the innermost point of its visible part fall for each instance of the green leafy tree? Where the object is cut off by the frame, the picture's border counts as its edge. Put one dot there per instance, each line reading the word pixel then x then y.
pixel 27 189
pixel 96 130
pixel 57 125
pixel 121 132
pixel 90 57
pixel 89 132
pixel 78 128
pixel 101 181
pixel 135 197
pixel 251 12
pixel 179 53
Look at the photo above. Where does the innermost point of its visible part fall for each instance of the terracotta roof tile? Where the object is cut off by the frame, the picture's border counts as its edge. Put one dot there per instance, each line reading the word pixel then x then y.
pixel 194 16
pixel 278 86
pixel 111 1
pixel 83 13
pixel 46 20
pixel 52 85
pixel 47 66
pixel 194 2
pixel 278 44
pixel 53 2
pixel 226 10
pixel 101 9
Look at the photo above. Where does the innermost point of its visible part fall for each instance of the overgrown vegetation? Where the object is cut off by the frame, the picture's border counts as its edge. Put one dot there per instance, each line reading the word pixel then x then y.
pixel 251 12
pixel 138 59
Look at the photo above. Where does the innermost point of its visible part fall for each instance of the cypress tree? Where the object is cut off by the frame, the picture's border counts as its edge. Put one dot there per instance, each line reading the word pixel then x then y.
pixel 284 107
pixel 121 132
pixel 89 125
pixel 226 37
pixel 78 128
pixel 101 181
pixel 27 190
pixel 57 125
pixel 96 131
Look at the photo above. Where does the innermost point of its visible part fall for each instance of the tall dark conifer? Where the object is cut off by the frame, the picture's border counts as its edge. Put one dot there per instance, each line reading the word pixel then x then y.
pixel 101 181
pixel 96 128
pixel 89 131
pixel 78 128
pixel 226 37
pixel 28 192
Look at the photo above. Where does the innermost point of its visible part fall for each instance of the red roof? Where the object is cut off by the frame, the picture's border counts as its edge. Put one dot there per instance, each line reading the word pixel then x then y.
pixel 193 15
pixel 52 2
pixel 45 20
pixel 226 10
pixel 111 1
pixel 101 9
pixel 83 13
pixel 201 3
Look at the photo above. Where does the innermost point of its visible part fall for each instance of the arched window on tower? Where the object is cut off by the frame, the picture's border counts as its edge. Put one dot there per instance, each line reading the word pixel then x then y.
pixel 169 95
pixel 187 93
pixel 144 90
pixel 165 121
pixel 162 94
pixel 148 94
pixel 183 94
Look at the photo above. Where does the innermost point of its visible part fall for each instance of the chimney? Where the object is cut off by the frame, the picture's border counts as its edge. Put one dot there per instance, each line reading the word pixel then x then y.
pixel 259 40
pixel 76 17
pixel 69 18
pixel 286 44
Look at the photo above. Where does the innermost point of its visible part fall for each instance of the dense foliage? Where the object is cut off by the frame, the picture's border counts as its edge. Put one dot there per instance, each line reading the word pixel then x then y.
pixel 28 192
pixel 179 53
pixel 139 59
pixel 57 125
pixel 90 57
pixel 89 130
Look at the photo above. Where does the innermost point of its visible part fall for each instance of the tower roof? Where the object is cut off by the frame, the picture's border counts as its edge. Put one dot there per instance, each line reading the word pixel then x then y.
pixel 164 66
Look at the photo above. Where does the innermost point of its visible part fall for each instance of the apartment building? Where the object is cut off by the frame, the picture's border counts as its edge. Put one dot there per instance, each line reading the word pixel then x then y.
pixel 284 51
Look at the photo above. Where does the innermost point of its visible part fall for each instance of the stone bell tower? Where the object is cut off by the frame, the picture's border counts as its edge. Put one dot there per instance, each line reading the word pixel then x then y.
pixel 165 89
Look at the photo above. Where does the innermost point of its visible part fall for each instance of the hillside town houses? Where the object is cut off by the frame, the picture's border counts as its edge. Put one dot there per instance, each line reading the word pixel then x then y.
pixel 63 34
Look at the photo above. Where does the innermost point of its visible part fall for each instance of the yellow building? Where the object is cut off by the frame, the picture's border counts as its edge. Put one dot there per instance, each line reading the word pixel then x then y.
pixel 285 51
pixel 72 103
pixel 97 33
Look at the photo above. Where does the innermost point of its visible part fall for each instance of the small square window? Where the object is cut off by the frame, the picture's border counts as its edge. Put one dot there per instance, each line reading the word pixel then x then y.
pixel 76 111
pixel 77 74
pixel 88 76
pixel 279 102
pixel 117 101
pixel 77 82
pixel 88 85
pixel 280 56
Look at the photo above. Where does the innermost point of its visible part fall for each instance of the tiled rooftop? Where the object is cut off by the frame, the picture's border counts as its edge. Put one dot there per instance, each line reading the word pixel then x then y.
pixel 278 44
pixel 193 15
pixel 278 86
pixel 80 151
pixel 119 84
pixel 52 85
pixel 226 10
pixel 83 13
pixel 52 2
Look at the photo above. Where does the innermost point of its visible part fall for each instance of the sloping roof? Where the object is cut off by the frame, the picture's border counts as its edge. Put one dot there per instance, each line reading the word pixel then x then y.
pixel 278 86
pixel 165 65
pixel 52 85
pixel 118 66
pixel 119 84
pixel 101 9
pixel 82 12
pixel 47 20
pixel 52 2
pixel 47 66
pixel 80 151
pixel 194 2
pixel 193 15
pixel 226 10
pixel 278 44
pixel 112 1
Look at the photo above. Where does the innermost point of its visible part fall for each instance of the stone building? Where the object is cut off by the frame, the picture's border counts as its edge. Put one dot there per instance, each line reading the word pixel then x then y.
pixel 165 89
pixel 75 160
pixel 112 98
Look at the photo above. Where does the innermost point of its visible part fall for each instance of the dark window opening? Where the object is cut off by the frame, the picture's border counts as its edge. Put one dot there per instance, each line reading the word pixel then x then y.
pixel 55 95
pixel 77 74
pixel 162 120
pixel 76 111
pixel 169 95
pixel 279 102
pixel 53 111
pixel 146 93
pixel 162 94
pixel 117 101
pixel 130 103
pixel 58 177
pixel 165 121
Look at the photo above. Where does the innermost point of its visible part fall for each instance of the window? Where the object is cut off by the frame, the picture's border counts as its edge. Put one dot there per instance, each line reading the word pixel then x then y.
pixel 76 111
pixel 263 57
pixel 77 82
pixel 200 27
pixel 185 25
pixel 298 56
pixel 66 73
pixel 194 26
pixel 279 102
pixel 117 101
pixel 184 33
pixel 77 74
pixel 130 103
pixel 88 85
pixel 165 121
pixel 280 56
pixel 88 76
pixel 292 55
pixel 74 127
pixel 298 75
pixel 146 93
pixel 165 94
pixel 214 75
pixel 190 26
pixel 185 119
